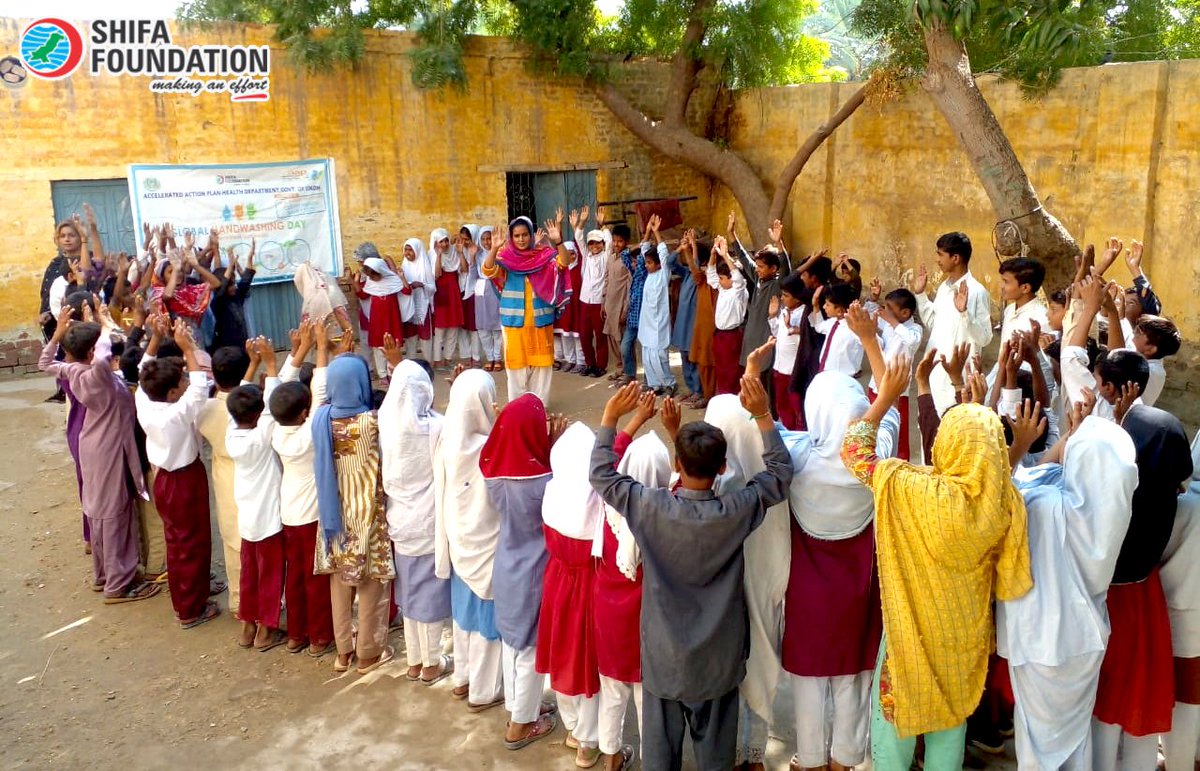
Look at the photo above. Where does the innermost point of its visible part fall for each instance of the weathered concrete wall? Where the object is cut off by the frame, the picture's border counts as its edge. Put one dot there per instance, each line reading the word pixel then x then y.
pixel 407 160
pixel 1113 150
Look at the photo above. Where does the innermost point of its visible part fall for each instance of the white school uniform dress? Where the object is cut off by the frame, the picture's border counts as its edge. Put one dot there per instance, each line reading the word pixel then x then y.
pixel 1180 575
pixel 293 445
pixel 785 327
pixel 730 310
pixel 257 474
pixel 948 328
pixel 1054 637
pixel 1019 319
pixel 842 351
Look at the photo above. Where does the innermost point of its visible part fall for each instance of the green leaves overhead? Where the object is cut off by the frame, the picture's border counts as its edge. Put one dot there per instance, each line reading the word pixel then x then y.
pixel 1032 41
pixel 748 42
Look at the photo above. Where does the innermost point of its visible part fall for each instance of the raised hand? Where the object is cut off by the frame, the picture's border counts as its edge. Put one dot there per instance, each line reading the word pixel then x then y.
pixel 920 280
pixel 925 367
pixel 961 293
pixel 1026 427
pixel 584 215
pixel 670 417
pixel 89 214
pixel 392 351
pixel 895 379
pixel 721 246
pixel 64 323
pixel 1084 264
pixel 646 407
pixel 1080 409
pixel 1010 357
pixel 1112 248
pixel 1091 291
pixel 621 403
pixel 775 233
pixel 773 308
pixel 183 337
pixel 189 240
pixel 1127 395
pixel 754 397
pixel 757 358
pixel 954 365
pixel 1133 259
pixel 860 322
pixel 557 424
pixel 731 222
pixel 876 290
pixel 574 219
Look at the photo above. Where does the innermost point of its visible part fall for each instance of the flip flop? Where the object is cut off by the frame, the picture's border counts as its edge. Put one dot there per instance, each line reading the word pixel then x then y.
pixel 216 587
pixel 278 637
pixel 97 587
pixel 413 677
pixel 299 649
pixel 447 670
pixel 461 692
pixel 626 755
pixel 477 708
pixel 339 667
pixel 587 757
pixel 211 611
pixel 384 657
pixel 542 727
pixel 324 650
pixel 140 591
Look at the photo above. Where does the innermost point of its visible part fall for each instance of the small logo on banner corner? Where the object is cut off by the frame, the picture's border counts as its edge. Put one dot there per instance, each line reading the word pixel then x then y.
pixel 51 48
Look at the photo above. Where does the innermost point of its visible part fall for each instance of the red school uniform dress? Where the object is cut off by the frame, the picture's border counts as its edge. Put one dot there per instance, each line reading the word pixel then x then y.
pixel 447 302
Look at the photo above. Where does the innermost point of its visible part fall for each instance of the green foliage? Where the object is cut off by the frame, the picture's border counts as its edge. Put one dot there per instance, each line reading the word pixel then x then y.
pixel 748 42
pixel 1033 41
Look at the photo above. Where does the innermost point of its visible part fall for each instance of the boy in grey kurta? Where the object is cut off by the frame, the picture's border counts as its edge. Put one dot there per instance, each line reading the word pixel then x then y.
pixel 109 464
pixel 694 628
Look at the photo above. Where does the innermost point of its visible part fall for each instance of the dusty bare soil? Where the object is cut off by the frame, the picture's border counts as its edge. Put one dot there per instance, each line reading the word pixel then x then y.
pixel 84 685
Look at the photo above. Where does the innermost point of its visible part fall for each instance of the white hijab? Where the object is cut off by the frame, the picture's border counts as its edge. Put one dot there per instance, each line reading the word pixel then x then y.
pixel 388 282
pixel 467 525
pixel 408 431
pixel 319 295
pixel 464 278
pixel 648 461
pixel 570 505
pixel 828 501
pixel 767 551
pixel 415 306
pixel 1076 528
pixel 449 257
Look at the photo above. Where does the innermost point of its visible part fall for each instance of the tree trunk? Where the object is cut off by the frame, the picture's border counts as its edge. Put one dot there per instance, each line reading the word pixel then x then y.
pixel 789 173
pixel 951 85
pixel 680 144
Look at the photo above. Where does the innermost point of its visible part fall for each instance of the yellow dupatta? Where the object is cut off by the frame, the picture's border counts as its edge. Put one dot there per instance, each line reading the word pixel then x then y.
pixel 947 538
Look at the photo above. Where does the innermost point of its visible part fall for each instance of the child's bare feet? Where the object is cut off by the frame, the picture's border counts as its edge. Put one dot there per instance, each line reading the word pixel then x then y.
pixel 246 638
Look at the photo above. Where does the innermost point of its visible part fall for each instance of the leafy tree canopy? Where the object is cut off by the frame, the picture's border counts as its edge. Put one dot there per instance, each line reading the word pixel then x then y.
pixel 748 42
pixel 1032 41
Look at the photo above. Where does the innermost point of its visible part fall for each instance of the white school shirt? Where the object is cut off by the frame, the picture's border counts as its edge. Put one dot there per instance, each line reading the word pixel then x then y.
pixel 58 293
pixel 256 474
pixel 787 341
pixel 731 306
pixel 842 351
pixel 172 441
pixel 594 272
pixel 947 327
pixel 1076 377
pixel 1022 318
pixel 293 445
pixel 904 338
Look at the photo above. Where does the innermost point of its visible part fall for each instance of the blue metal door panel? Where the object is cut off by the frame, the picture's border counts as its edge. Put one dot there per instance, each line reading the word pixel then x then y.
pixel 273 310
pixel 110 200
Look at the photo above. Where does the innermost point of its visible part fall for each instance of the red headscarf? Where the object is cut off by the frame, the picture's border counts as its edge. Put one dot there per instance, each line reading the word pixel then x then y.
pixel 519 445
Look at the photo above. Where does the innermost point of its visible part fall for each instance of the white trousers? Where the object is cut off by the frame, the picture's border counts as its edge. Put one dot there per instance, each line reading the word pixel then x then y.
pixel 381 364
pixel 445 343
pixel 477 661
pixel 1181 745
pixel 1053 713
pixel 468 344
pixel 568 349
pixel 423 642
pixel 530 380
pixel 1115 750
pixel 657 364
pixel 614 698
pixel 416 348
pixel 752 732
pixel 833 716
pixel 581 717
pixel 523 686
pixel 490 341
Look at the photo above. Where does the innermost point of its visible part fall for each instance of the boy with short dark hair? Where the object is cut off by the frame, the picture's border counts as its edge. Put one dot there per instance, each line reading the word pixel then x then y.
pixel 766 292
pixel 636 265
pixel 694 628
pixel 256 483
pixel 1156 338
pixel 617 281
pixel 1020 280
pixel 901 334
pixel 787 319
pixel 732 298
pixel 654 326
pixel 168 404
pixel 842 350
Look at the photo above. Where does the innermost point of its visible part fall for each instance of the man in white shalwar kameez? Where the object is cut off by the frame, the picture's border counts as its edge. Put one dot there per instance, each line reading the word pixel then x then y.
pixel 1055 636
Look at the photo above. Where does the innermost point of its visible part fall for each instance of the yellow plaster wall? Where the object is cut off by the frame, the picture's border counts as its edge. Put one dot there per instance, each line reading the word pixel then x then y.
pixel 407 160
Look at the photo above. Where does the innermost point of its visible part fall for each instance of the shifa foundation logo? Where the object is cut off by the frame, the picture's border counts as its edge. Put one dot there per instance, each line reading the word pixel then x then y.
pixel 53 48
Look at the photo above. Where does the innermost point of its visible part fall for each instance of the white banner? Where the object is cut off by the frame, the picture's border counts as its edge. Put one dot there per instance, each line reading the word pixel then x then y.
pixel 290 208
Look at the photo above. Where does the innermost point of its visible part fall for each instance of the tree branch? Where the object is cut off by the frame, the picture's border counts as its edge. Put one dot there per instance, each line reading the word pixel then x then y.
pixel 789 173
pixel 685 65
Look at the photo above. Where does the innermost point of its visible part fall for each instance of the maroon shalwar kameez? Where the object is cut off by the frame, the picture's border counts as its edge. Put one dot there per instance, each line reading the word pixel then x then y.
pixel 262 581
pixel 182 498
pixel 309 612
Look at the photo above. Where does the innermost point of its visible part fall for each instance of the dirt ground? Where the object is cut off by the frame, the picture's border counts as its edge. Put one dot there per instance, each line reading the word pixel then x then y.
pixel 86 685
